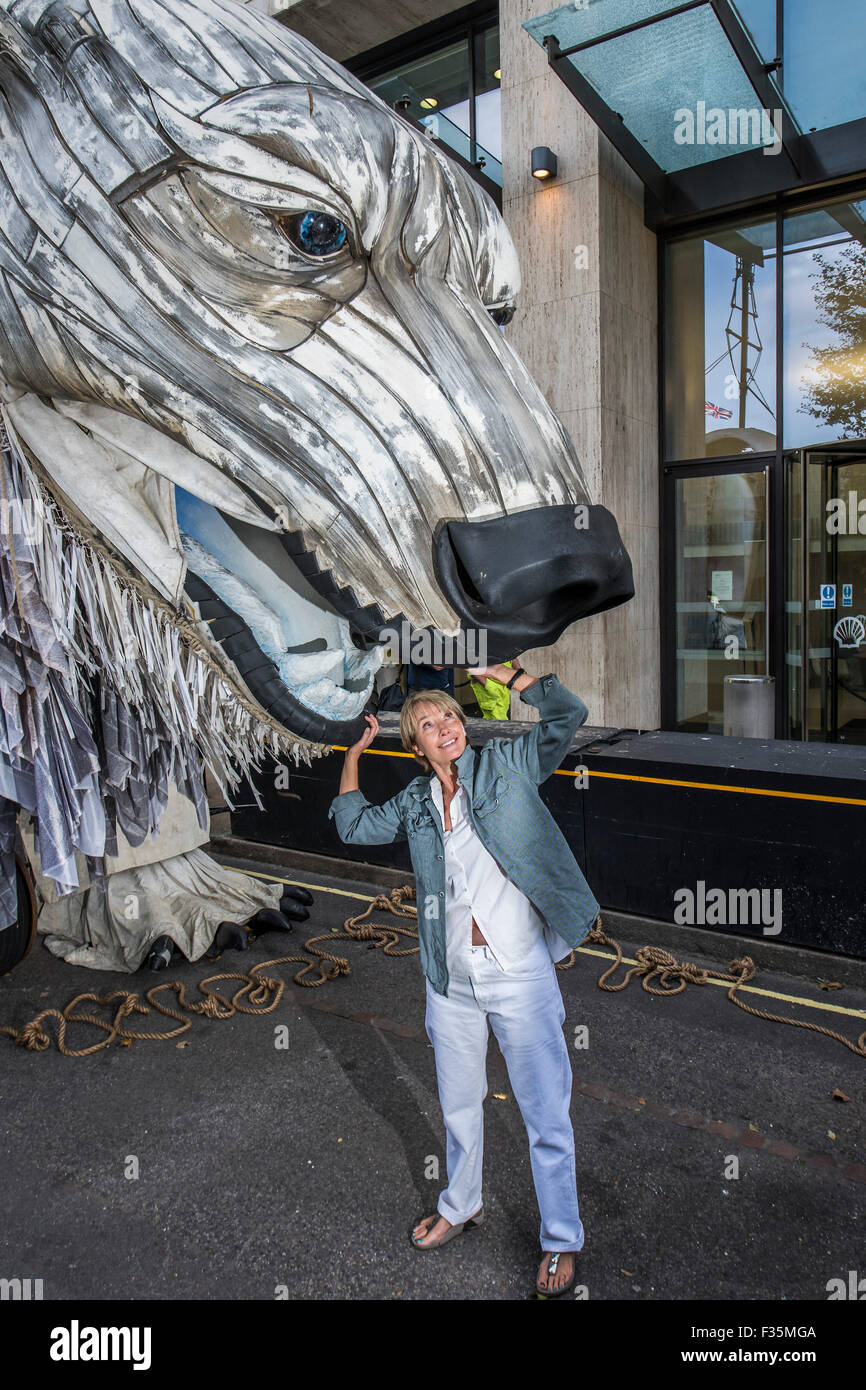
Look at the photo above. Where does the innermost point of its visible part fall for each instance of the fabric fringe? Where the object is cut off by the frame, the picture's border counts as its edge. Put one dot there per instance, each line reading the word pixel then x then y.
pixel 91 659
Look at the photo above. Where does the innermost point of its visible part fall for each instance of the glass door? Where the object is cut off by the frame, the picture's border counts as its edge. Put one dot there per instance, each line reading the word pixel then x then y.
pixel 721 566
pixel 826 655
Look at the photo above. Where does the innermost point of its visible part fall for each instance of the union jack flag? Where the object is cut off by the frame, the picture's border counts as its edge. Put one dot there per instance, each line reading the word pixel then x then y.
pixel 718 412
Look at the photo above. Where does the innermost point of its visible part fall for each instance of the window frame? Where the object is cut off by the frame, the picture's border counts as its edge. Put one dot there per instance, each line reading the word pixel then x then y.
pixel 470 23
pixel 780 208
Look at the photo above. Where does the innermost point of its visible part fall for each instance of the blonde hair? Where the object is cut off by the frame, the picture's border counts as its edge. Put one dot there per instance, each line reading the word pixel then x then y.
pixel 409 718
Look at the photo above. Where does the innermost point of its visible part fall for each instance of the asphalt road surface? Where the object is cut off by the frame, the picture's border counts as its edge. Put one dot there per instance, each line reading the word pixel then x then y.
pixel 288 1155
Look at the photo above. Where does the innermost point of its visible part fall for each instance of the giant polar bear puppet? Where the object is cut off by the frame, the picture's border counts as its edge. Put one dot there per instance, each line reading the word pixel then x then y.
pixel 257 409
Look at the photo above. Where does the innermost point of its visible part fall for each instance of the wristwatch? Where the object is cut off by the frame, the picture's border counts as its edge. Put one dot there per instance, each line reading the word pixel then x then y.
pixel 519 672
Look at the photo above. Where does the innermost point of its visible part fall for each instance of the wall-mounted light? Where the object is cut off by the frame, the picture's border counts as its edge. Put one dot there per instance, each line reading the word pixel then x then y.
pixel 543 163
pixel 498 74
pixel 427 103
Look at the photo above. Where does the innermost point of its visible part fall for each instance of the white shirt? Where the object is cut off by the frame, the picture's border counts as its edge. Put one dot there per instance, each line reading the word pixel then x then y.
pixel 475 885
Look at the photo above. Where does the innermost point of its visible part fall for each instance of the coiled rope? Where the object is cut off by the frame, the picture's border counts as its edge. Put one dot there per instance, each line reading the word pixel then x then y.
pixel 260 993
pixel 673 976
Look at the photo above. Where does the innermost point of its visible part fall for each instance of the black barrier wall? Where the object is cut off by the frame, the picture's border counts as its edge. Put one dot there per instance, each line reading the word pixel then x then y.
pixel 756 838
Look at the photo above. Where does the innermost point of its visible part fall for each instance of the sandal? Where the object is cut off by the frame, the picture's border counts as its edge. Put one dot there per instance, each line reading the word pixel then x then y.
pixel 552 1266
pixel 452 1231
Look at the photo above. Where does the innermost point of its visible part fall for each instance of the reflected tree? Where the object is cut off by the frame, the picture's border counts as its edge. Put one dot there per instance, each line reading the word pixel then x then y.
pixel 837 395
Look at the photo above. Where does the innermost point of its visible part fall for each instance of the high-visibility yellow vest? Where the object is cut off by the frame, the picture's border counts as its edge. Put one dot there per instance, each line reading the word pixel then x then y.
pixel 493 697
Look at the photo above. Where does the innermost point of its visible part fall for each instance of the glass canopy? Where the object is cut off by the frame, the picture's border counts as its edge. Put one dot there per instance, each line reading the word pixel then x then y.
pixel 583 23
pixel 670 72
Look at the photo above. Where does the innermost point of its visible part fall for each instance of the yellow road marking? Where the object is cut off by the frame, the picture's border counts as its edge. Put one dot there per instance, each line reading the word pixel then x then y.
pixel 585 950
pixel 313 887
pixel 750 989
pixel 659 781
pixel 718 787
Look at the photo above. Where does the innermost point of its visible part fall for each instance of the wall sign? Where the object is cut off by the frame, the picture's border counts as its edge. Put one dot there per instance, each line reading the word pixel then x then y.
pixel 722 583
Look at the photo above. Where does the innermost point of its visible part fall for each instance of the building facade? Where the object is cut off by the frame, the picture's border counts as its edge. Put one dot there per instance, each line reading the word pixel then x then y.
pixel 693 306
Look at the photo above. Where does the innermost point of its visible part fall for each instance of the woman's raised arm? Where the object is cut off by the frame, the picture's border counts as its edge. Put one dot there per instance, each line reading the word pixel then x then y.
pixel 357 821
pixel 349 779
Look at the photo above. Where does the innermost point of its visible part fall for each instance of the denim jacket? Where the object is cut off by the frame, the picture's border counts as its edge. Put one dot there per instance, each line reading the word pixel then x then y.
pixel 509 816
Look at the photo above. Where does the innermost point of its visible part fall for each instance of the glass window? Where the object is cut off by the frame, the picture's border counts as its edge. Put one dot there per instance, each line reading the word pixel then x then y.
pixel 488 104
pixel 795 550
pixel 824 296
pixel 826 657
pixel 823 73
pixel 440 96
pixel 438 90
pixel 720 343
pixel 721 602
pixel 759 21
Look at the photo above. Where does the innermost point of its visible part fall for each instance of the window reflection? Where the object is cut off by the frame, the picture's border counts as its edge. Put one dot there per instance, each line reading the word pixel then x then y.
pixel 795 599
pixel 759 19
pixel 826 658
pixel 439 89
pixel 720 591
pixel 488 124
pixel 825 325
pixel 823 75
pixel 437 86
pixel 720 367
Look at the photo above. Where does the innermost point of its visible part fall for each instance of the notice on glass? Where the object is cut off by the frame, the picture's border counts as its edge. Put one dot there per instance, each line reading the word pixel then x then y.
pixel 723 583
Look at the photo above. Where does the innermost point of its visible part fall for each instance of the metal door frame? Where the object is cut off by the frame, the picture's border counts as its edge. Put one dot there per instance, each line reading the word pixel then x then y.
pixel 818 456
pixel 774 577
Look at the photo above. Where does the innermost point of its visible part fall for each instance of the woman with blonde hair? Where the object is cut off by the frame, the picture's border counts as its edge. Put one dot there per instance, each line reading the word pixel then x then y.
pixel 500 898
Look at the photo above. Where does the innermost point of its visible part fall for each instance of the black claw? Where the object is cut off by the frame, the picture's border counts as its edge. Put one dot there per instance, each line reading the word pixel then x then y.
pixel 268 919
pixel 302 895
pixel 291 908
pixel 231 935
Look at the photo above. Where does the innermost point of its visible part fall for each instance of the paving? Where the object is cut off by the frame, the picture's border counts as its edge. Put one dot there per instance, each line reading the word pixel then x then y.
pixel 287 1155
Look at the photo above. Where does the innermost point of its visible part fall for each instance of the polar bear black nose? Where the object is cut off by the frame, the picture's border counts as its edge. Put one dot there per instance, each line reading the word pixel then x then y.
pixel 527 576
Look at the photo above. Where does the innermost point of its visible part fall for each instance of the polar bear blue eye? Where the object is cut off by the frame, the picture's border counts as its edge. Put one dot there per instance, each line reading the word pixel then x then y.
pixel 315 233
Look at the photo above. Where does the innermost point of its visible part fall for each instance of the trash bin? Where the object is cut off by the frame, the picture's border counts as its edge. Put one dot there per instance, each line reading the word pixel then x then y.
pixel 750 706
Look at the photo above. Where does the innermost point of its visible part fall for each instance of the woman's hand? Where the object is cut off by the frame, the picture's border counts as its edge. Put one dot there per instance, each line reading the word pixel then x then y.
pixel 349 778
pixel 366 738
pixel 498 672
pixel 502 673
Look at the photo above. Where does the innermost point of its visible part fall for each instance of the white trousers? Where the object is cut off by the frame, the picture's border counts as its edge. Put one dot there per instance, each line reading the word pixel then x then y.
pixel 526 1011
